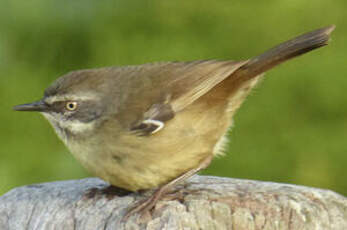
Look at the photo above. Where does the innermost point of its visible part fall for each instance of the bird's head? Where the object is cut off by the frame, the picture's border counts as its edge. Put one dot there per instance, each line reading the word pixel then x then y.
pixel 73 104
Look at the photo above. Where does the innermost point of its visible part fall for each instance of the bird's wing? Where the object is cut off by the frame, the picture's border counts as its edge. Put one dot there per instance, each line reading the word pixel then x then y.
pixel 197 78
pixel 176 85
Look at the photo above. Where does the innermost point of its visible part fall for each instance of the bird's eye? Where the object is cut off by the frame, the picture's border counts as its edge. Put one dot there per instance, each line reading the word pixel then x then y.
pixel 71 105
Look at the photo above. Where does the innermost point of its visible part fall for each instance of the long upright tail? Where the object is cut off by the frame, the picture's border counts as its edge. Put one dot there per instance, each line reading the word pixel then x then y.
pixel 283 52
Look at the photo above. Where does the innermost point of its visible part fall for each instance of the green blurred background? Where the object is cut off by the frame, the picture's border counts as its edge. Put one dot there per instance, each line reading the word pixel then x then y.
pixel 292 128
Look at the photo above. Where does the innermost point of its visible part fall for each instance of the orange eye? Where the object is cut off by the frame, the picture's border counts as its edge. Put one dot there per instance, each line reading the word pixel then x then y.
pixel 71 105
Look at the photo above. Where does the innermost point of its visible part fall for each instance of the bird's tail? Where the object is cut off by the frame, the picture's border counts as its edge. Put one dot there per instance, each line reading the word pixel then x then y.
pixel 283 52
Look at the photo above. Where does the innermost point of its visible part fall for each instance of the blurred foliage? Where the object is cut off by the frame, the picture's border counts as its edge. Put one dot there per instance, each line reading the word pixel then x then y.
pixel 292 128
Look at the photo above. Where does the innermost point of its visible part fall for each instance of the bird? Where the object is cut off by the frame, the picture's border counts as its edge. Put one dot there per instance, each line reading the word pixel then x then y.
pixel 152 126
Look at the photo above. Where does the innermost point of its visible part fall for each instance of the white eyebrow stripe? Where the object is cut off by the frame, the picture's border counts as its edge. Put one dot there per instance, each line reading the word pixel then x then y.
pixel 52 99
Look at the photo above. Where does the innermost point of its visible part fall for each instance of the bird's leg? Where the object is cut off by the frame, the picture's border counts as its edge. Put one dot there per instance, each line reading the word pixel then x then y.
pixel 147 204
pixel 109 191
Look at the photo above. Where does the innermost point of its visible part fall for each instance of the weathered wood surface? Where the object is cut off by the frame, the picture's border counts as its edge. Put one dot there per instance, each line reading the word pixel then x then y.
pixel 208 203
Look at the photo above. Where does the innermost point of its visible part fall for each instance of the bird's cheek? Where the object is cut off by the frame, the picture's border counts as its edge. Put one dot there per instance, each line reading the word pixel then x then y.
pixel 77 127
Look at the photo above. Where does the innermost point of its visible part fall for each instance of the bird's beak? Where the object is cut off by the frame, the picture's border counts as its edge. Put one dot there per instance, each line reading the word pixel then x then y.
pixel 38 106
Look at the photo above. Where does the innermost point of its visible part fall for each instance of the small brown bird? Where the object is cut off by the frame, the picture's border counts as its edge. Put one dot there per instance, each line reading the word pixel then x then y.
pixel 153 125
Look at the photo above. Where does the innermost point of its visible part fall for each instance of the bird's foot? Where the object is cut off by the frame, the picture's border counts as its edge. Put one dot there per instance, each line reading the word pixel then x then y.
pixel 143 207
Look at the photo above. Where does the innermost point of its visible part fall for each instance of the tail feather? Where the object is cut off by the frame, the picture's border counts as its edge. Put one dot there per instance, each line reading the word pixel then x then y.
pixel 283 52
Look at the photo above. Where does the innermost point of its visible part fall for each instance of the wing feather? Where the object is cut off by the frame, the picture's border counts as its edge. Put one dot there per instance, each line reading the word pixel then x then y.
pixel 197 79
pixel 170 87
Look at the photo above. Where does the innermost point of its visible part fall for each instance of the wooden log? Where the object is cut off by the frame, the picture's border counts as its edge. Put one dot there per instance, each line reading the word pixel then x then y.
pixel 205 203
